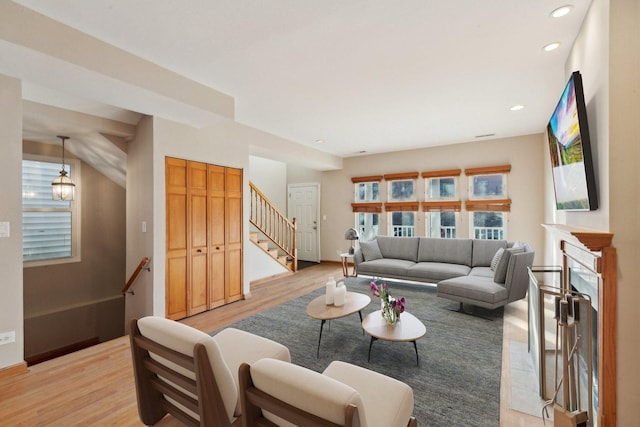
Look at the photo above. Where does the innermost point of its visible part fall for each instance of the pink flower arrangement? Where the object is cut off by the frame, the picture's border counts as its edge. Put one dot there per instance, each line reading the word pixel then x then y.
pixel 391 307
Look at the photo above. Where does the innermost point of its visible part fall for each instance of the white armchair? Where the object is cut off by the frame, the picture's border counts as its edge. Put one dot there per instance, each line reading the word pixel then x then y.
pixel 273 393
pixel 184 372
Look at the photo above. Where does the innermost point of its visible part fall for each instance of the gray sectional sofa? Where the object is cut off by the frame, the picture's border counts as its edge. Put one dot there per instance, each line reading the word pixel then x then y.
pixel 485 273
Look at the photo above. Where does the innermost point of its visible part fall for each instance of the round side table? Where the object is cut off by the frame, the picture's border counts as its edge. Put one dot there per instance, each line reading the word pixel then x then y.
pixel 346 259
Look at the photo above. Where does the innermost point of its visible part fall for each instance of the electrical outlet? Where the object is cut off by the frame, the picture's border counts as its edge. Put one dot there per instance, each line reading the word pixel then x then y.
pixel 338 251
pixel 7 337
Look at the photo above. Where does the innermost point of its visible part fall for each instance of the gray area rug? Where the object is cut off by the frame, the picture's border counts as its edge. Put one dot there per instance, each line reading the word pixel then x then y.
pixel 458 380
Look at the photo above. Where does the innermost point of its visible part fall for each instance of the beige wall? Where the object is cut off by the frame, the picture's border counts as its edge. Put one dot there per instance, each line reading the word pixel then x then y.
pixel 624 197
pixel 224 143
pixel 140 197
pixel 11 311
pixel 220 144
pixel 607 52
pixel 589 55
pixel 68 303
pixel 525 186
pixel 297 174
pixel 270 176
pixel 268 146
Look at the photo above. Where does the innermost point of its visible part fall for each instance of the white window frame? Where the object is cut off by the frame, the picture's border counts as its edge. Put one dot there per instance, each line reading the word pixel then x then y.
pixel 75 209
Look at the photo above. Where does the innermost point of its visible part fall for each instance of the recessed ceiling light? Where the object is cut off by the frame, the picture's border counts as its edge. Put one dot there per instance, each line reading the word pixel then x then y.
pixel 319 141
pixel 561 11
pixel 485 135
pixel 551 46
pixel 517 108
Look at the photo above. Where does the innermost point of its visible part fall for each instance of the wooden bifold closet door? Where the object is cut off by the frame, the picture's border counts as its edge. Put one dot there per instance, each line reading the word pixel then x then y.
pixel 204 237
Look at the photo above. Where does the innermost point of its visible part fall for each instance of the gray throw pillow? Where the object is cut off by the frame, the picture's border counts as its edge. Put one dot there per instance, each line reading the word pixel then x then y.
pixel 518 244
pixel 496 259
pixel 370 250
pixel 500 274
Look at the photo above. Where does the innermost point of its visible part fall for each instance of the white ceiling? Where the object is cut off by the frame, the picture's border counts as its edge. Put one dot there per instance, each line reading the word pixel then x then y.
pixel 361 75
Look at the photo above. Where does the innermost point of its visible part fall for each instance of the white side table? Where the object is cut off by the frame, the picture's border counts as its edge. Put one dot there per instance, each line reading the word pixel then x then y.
pixel 346 259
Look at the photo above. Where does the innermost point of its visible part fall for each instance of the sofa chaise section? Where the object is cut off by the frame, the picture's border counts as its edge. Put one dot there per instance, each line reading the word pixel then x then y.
pixel 495 287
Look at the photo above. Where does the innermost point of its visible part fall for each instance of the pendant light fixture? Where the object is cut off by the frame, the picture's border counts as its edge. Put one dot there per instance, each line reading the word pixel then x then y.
pixel 63 187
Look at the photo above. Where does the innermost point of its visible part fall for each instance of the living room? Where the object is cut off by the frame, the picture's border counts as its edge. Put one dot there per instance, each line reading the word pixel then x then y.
pixel 603 51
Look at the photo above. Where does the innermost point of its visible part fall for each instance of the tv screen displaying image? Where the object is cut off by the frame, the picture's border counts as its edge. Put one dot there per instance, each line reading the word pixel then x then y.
pixel 569 146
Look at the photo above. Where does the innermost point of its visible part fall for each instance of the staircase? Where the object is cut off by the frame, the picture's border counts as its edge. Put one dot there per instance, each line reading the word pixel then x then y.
pixel 276 234
pixel 277 254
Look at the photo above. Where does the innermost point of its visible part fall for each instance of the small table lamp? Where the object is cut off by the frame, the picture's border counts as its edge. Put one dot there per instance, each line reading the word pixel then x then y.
pixel 351 234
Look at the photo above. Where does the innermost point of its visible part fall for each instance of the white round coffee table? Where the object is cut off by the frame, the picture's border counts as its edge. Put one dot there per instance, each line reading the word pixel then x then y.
pixel 354 302
pixel 408 329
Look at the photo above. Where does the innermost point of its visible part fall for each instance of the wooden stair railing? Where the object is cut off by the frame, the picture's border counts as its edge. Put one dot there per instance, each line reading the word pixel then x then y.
pixel 273 224
pixel 142 266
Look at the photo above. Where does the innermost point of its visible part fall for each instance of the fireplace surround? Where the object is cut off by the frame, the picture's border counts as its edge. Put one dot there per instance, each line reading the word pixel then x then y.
pixel 589 266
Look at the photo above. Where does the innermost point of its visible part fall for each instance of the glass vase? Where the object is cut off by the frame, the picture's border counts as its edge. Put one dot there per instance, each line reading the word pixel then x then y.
pixel 388 314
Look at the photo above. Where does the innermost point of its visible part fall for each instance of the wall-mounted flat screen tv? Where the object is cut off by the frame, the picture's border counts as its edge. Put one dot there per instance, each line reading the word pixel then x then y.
pixel 570 148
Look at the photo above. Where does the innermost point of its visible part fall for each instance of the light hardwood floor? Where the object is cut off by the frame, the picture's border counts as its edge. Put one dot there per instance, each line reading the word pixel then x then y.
pixel 94 387
pixel 515 330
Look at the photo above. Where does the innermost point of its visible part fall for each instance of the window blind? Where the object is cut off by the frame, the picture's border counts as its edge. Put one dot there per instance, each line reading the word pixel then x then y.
pixel 46 223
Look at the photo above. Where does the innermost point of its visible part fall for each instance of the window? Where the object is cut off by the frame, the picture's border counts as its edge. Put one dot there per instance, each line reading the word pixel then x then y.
pixel 402 224
pixel 368 225
pixel 401 190
pixel 488 183
pixel 488 204
pixel 441 224
pixel 441 188
pixel 50 228
pixel 367 206
pixel 442 203
pixel 488 186
pixel 401 203
pixel 488 225
pixel 367 192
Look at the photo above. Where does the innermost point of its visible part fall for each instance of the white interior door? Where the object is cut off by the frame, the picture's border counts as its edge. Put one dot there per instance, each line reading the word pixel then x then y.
pixel 304 206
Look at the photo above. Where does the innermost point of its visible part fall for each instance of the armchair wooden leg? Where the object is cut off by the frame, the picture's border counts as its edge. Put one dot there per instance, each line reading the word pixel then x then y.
pixel 250 412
